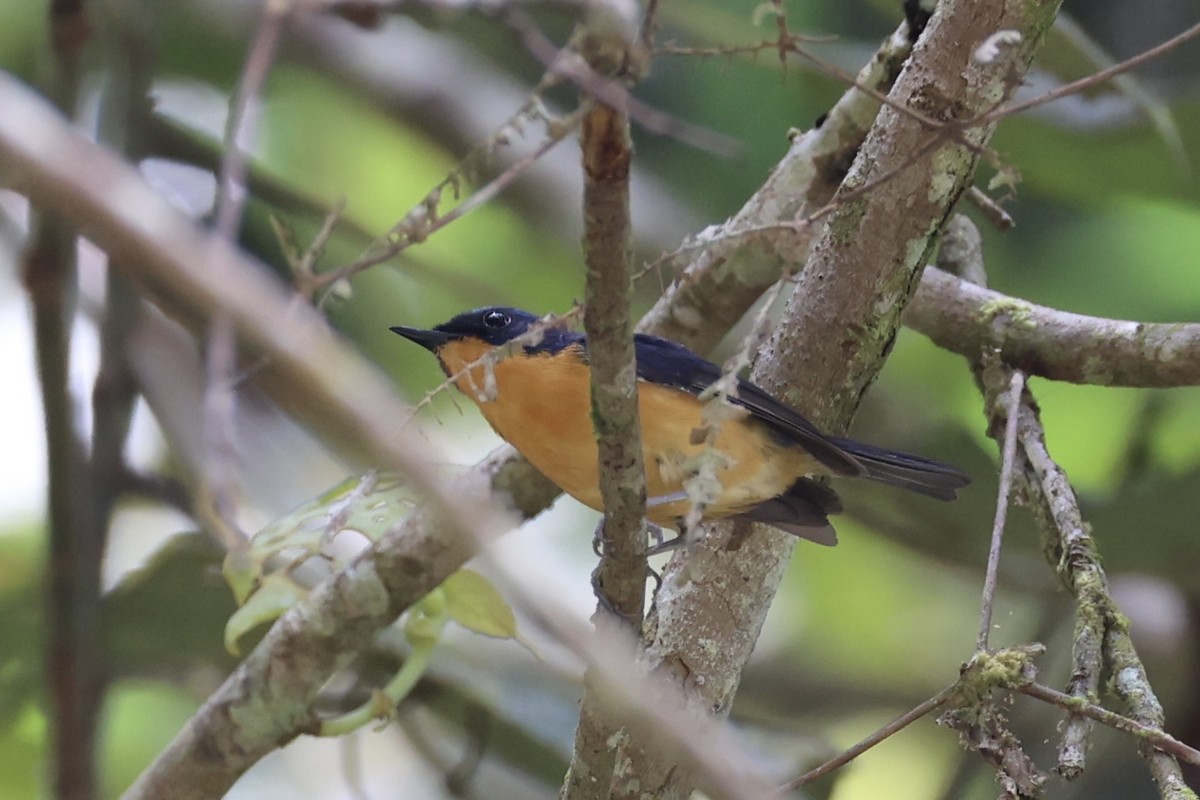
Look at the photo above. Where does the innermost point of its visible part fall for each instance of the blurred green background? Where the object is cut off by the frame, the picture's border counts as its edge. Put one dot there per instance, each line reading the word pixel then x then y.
pixel 1107 223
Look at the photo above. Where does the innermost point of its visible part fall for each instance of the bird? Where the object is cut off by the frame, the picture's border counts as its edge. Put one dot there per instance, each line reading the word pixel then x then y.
pixel 536 395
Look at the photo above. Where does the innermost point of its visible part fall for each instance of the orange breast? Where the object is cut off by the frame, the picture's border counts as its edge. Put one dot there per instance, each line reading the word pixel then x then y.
pixel 541 406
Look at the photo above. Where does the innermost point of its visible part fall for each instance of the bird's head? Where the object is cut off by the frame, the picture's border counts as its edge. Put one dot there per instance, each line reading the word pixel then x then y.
pixel 470 335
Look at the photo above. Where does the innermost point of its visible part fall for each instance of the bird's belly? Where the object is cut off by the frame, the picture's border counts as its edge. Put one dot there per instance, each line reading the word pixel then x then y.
pixel 545 413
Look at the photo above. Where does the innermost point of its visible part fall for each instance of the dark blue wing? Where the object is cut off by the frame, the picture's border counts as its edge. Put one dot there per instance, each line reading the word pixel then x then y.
pixel 666 362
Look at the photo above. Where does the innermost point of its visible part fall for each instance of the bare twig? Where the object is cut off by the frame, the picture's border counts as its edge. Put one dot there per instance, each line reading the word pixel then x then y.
pixel 787 42
pixel 125 106
pixel 613 92
pixel 731 272
pixel 1001 220
pixel 893 727
pixel 1008 457
pixel 1075 87
pixel 243 117
pixel 621 574
pixel 303 265
pixel 74 545
pixel 424 220
pixel 1160 739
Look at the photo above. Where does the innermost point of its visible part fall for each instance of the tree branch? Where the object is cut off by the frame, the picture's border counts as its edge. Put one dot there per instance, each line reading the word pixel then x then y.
pixel 75 538
pixel 1059 345
pixel 620 577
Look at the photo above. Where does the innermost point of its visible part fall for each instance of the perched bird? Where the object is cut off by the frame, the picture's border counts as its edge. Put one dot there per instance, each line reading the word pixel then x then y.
pixel 538 399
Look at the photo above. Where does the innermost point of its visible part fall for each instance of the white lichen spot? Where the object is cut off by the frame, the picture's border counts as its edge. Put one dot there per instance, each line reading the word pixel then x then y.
pixel 884 305
pixel 370 595
pixel 710 234
pixel 688 316
pixel 1129 682
pixel 943 175
pixel 994 45
pixel 914 250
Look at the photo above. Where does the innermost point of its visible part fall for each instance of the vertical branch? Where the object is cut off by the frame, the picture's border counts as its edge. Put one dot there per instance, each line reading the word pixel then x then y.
pixel 75 550
pixel 620 577
pixel 75 546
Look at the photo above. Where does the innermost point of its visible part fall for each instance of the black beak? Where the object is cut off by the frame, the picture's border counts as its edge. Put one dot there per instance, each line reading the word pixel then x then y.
pixel 430 340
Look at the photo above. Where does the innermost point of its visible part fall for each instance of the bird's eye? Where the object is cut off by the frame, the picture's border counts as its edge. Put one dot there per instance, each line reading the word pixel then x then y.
pixel 496 319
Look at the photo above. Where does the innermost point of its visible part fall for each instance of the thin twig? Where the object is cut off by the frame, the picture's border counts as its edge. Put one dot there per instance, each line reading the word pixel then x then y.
pixel 1001 220
pixel 614 93
pixel 787 42
pixel 607 154
pixel 1159 738
pixel 1096 78
pixel 729 274
pixel 423 221
pixel 305 266
pixel 243 118
pixel 1009 457
pixel 893 727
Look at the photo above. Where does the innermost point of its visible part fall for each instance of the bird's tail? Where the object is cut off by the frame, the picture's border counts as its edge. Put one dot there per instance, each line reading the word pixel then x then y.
pixel 915 473
pixel 802 511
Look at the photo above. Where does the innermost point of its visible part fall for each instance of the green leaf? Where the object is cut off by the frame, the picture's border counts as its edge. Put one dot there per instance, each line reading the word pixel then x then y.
pixel 241 572
pixel 275 594
pixel 473 602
